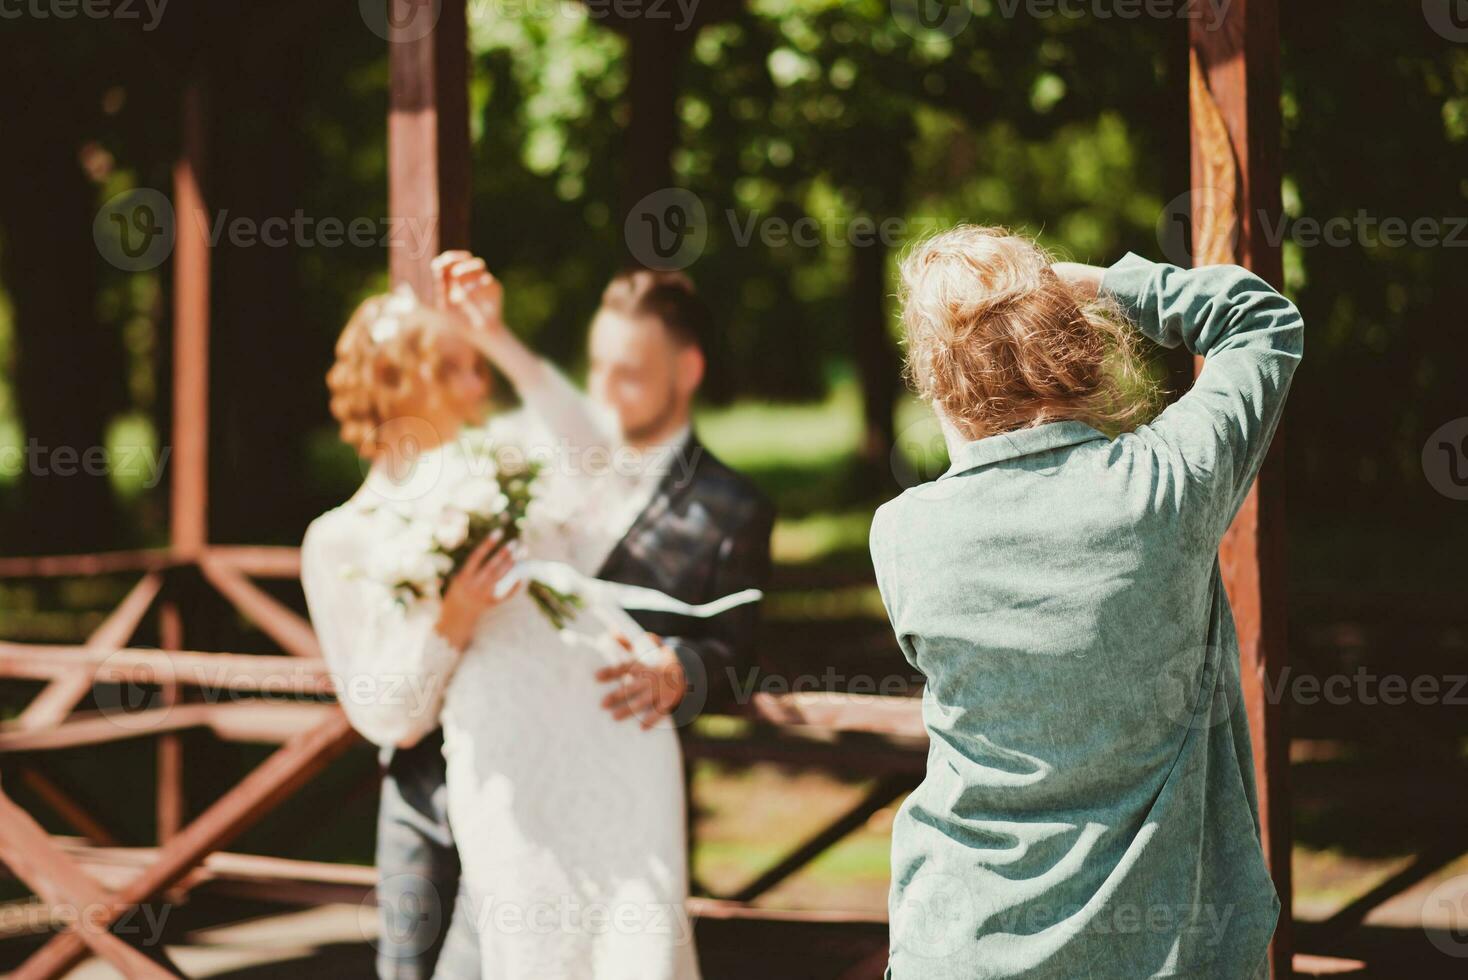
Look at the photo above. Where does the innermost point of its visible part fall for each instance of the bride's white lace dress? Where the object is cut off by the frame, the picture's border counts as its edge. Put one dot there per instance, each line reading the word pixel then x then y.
pixel 569 824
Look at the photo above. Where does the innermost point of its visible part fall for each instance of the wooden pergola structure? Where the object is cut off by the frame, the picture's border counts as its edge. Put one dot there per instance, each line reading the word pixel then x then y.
pixel 1234 96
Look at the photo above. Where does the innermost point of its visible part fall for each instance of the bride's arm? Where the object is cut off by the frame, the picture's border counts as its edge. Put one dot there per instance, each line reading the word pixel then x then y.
pixel 391 664
pixel 466 286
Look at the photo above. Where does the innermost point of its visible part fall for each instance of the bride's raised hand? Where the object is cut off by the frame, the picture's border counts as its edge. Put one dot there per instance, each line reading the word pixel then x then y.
pixel 464 285
pixel 476 588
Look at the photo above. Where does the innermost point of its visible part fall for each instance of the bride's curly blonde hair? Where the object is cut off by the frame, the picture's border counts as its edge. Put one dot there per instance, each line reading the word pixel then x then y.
pixel 386 353
pixel 999 342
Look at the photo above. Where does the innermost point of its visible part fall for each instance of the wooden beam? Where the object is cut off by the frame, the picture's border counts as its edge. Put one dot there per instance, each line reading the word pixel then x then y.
pixel 260 561
pixel 101 563
pixel 275 780
pixel 61 696
pixel 278 621
pixel 719 908
pixel 66 807
pixel 272 879
pixel 427 141
pixel 188 518
pixel 842 712
pixel 135 665
pixel 35 859
pixel 1235 91
pixel 259 722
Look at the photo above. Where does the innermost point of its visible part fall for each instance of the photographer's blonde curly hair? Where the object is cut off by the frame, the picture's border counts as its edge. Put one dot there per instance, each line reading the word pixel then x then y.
pixel 999 342
pixel 372 378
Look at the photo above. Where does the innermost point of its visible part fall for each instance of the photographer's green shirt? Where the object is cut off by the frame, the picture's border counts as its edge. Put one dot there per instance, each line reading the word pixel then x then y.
pixel 1089 808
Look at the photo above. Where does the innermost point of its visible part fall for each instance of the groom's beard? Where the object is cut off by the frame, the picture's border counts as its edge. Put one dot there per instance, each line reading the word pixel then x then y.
pixel 656 426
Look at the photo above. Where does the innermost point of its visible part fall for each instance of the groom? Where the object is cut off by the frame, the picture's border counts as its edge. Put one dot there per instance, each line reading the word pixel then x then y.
pixel 697 530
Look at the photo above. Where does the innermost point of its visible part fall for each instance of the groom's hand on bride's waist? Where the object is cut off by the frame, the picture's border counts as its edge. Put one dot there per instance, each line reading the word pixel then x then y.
pixel 648 692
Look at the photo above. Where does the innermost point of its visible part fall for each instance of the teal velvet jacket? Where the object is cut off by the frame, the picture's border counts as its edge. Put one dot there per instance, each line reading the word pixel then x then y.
pixel 1089 808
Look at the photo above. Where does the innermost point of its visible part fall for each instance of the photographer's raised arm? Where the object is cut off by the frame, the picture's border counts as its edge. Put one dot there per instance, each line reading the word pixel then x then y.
pixel 1251 339
pixel 463 284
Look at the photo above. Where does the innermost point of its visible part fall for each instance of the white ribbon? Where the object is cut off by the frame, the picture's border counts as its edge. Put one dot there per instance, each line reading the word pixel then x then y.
pixel 564 578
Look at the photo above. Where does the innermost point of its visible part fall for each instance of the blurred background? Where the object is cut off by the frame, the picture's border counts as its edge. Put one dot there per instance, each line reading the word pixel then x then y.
pixel 1072 128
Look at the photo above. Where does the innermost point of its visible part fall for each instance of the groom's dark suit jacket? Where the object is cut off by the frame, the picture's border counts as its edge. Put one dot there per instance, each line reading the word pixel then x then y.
pixel 704 535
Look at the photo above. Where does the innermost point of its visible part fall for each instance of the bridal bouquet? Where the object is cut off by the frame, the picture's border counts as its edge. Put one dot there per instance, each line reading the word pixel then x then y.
pixel 433 542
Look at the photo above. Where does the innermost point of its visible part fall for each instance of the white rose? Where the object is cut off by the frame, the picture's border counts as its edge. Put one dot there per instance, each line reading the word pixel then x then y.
pixel 451 528
pixel 481 497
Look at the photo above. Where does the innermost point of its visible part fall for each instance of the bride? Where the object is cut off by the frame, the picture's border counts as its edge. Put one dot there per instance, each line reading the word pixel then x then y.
pixel 570 824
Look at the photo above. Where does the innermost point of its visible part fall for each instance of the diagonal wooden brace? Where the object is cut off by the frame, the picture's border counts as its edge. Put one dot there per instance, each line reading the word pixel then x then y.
pixel 55 877
pixel 273 781
pixel 59 697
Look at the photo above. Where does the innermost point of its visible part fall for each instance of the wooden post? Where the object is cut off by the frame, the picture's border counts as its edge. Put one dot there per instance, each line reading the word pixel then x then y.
pixel 427 141
pixel 190 459
pixel 170 795
pixel 1234 97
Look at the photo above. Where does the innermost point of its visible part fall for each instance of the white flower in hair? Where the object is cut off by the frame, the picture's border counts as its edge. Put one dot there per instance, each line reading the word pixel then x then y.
pixel 389 322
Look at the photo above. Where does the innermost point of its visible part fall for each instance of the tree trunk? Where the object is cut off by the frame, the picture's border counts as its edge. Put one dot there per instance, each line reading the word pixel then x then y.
pixel 656 54
pixel 876 357
pixel 68 376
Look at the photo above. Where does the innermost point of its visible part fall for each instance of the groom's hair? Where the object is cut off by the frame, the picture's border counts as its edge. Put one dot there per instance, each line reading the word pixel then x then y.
pixel 666 295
